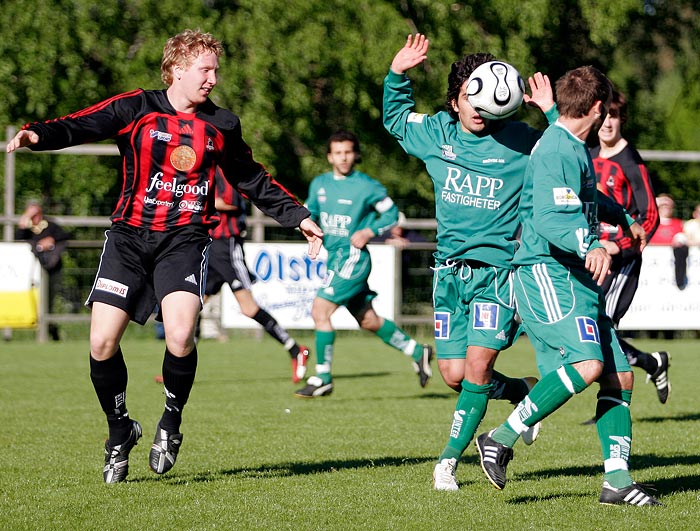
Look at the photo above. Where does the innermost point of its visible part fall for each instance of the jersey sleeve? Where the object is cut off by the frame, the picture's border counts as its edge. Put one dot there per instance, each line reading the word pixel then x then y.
pixel 612 212
pixel 312 201
pixel 101 121
pixel 647 214
pixel 385 213
pixel 256 184
pixel 411 129
pixel 560 217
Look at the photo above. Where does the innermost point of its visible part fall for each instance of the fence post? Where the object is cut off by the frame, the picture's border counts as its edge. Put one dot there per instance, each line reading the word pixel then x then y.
pixel 42 327
pixel 8 232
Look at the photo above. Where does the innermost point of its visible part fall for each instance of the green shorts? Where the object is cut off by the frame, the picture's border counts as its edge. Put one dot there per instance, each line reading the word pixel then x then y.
pixel 473 306
pixel 563 313
pixel 353 292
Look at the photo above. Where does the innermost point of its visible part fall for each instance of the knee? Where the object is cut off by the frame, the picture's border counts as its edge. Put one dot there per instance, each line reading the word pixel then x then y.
pixel 589 370
pixel 102 347
pixel 179 342
pixel 452 377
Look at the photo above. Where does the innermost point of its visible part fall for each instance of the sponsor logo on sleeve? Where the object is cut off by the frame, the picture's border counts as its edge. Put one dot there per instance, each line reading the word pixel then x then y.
pixel 565 197
pixel 416 118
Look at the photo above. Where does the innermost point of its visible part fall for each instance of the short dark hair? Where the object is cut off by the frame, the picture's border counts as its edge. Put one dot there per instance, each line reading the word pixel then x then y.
pixel 345 136
pixel 579 89
pixel 459 73
pixel 618 107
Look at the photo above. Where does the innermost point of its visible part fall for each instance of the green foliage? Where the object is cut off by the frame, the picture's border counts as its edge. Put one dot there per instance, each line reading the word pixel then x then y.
pixel 359 460
pixel 296 70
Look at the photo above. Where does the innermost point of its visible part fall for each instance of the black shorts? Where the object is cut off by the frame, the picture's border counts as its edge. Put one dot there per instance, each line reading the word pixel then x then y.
pixel 621 285
pixel 226 265
pixel 139 267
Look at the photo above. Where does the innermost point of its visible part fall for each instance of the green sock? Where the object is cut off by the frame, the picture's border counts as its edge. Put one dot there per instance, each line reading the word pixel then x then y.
pixel 553 390
pixel 506 388
pixel 470 409
pixel 614 425
pixel 324 354
pixel 393 336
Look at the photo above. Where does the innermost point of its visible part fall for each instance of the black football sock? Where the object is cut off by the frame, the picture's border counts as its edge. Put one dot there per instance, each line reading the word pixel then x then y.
pixel 178 378
pixel 109 378
pixel 273 328
pixel 637 358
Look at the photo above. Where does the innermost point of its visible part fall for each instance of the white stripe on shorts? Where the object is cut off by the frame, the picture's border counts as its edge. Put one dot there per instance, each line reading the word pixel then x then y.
pixel 547 292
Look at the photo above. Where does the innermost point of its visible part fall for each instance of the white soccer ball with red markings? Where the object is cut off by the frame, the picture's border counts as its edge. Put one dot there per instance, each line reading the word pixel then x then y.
pixel 495 90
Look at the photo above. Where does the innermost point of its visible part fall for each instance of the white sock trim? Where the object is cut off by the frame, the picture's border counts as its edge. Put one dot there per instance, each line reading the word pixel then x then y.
pixel 615 463
pixel 515 423
pixel 561 372
pixel 410 347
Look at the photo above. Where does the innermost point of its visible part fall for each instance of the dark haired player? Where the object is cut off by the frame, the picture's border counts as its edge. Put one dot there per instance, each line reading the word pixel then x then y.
pixel 477 168
pixel 352 208
pixel 623 177
pixel 171 142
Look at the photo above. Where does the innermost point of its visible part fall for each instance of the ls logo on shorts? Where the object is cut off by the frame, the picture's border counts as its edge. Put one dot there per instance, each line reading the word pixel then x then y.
pixel 442 325
pixel 485 316
pixel 587 330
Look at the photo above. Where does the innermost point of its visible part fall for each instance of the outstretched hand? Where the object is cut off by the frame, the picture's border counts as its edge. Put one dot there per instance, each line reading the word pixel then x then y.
pixel 313 234
pixel 542 93
pixel 22 139
pixel 412 54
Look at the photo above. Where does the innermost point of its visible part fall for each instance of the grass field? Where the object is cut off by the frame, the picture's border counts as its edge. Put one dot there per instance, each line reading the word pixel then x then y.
pixel 360 459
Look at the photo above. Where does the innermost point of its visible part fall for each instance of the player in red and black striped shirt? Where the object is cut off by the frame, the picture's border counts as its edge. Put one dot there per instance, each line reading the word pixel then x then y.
pixel 226 265
pixel 623 177
pixel 171 142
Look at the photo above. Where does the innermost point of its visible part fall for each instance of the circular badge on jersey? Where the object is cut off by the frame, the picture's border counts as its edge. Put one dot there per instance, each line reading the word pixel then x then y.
pixel 183 158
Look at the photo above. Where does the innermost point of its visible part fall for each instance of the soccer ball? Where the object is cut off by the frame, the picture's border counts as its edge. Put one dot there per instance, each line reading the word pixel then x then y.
pixel 495 90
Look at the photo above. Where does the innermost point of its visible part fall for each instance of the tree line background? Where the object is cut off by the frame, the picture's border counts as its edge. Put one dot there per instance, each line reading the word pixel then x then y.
pixel 297 70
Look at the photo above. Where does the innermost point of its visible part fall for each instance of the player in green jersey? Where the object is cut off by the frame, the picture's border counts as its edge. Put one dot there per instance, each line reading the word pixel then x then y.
pixel 561 265
pixel 477 168
pixel 353 208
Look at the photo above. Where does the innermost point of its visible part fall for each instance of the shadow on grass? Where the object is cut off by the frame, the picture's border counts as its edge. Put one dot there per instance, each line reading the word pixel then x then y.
pixel 204 381
pixel 660 488
pixel 638 462
pixel 668 418
pixel 293 469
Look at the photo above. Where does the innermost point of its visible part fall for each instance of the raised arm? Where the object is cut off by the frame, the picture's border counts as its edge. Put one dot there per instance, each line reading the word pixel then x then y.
pixel 412 54
pixel 542 94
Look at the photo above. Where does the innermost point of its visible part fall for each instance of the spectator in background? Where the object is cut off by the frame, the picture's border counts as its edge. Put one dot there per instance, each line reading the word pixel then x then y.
pixel 670 232
pixel 691 228
pixel 48 241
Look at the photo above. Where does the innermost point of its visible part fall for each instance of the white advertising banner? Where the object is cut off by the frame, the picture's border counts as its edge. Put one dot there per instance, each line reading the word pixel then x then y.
pixel 287 282
pixel 658 303
pixel 20 278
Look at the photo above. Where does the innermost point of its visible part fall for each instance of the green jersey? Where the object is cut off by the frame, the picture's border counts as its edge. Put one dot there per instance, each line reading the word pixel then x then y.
pixel 560 207
pixel 342 205
pixel 477 179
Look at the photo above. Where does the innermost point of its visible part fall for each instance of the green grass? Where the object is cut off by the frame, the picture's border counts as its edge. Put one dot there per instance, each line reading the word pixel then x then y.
pixel 360 459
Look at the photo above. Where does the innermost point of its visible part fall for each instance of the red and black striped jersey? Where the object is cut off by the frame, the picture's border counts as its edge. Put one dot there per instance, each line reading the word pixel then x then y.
pixel 169 159
pixel 625 179
pixel 232 223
